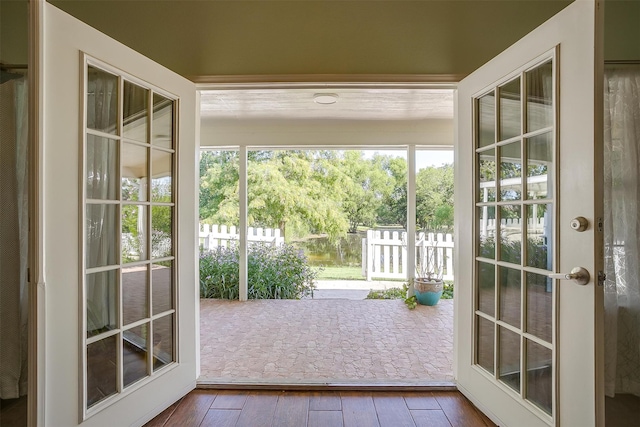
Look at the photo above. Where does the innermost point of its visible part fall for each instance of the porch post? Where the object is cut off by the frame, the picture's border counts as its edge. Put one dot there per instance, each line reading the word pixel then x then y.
pixel 242 232
pixel 411 215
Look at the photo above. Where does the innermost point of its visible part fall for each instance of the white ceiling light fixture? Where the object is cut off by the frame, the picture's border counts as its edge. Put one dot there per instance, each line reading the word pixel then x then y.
pixel 325 98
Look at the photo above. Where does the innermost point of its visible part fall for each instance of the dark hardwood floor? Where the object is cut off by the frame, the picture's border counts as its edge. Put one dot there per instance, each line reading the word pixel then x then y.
pixel 226 408
pixel 623 410
pixel 13 412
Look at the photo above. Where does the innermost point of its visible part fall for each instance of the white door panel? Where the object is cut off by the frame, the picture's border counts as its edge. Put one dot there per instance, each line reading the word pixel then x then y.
pixel 66 42
pixel 570 40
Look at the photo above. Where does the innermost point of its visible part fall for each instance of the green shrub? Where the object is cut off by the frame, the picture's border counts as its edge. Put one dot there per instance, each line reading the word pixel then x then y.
pixel 391 293
pixel 279 272
pixel 447 290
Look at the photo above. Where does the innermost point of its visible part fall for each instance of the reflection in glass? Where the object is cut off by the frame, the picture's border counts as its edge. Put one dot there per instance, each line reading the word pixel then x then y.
pixel 486 288
pixel 539 97
pixel 162 286
pixel 487 120
pixel 101 370
pixel 510 233
pixel 162 121
pixel 539 306
pixel 539 170
pixel 102 303
pixel 134 233
pixel 510 115
pixel 102 168
pixel 539 376
pixel 135 294
pixel 134 172
pixel 161 173
pixel 134 354
pixel 101 243
pixel 487 230
pixel 509 358
pixel 135 110
pixel 161 231
pixel 162 341
pixel 510 295
pixel 485 343
pixel 510 172
pixel 539 236
pixel 102 101
pixel 487 175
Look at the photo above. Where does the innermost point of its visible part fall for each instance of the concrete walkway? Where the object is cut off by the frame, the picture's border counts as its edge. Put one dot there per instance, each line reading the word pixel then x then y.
pixel 350 289
pixel 325 341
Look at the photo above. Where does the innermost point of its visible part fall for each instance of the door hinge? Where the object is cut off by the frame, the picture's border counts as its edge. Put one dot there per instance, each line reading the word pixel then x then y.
pixel 601 278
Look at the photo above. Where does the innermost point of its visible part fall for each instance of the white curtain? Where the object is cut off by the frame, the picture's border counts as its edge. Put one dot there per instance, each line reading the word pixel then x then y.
pixel 14 218
pixel 622 225
pixel 101 219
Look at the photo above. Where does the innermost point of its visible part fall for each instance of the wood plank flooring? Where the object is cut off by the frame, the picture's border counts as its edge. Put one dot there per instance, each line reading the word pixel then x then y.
pixel 230 408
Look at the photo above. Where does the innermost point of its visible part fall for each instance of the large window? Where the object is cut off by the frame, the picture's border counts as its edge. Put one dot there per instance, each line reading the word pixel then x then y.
pixel 128 257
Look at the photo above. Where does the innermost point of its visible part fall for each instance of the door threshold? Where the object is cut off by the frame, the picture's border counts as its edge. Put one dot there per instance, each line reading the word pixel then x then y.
pixel 334 385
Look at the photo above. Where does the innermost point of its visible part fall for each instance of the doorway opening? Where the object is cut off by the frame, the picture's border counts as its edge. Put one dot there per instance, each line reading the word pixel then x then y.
pixel 328 202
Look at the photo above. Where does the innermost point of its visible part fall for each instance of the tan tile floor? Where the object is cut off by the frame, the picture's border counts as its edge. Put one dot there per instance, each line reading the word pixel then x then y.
pixel 325 340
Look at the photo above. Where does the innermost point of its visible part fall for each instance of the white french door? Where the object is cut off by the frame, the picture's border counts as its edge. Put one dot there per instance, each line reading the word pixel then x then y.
pixel 528 162
pixel 119 212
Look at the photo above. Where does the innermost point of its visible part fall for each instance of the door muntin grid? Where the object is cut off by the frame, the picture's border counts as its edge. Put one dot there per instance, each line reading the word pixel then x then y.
pixel 129 279
pixel 514 322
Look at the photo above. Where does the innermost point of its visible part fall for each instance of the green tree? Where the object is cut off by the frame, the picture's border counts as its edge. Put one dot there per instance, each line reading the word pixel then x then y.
pixel 366 187
pixel 434 198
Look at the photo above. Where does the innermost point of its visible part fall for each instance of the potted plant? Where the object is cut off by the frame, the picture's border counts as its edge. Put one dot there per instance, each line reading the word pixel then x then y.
pixel 428 284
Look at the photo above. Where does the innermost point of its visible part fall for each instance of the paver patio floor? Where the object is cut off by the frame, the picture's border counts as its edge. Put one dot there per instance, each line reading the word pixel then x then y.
pixel 325 341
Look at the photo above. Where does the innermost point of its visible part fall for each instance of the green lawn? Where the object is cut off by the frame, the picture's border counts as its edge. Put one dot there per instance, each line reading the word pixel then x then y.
pixel 340 273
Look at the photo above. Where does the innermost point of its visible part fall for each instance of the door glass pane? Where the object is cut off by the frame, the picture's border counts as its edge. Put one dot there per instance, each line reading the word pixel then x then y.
pixel 539 97
pixel 101 370
pixel 510 291
pixel 161 173
pixel 487 120
pixel 486 288
pixel 539 237
pixel 162 341
pixel 135 110
pixel 161 231
pixel 539 306
pixel 539 166
pixel 102 101
pixel 509 358
pixel 162 284
pixel 487 230
pixel 134 233
pixel 485 344
pixel 487 175
pixel 539 376
pixel 510 172
pixel 134 172
pixel 134 353
pixel 510 109
pixel 101 302
pixel 101 168
pixel 510 233
pixel 101 244
pixel 162 121
pixel 135 294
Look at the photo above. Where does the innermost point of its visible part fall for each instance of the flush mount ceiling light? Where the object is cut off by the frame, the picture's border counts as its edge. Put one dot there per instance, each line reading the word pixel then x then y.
pixel 325 98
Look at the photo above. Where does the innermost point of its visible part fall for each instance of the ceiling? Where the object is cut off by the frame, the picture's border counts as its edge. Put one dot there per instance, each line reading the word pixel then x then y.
pixel 200 38
pixel 351 104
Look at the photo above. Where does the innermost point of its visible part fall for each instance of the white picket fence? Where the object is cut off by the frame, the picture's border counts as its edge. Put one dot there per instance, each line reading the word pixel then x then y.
pixel 384 253
pixel 534 225
pixel 214 236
